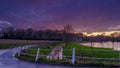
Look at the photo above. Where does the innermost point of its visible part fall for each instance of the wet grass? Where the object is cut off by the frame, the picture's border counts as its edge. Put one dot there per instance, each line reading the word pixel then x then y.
pixel 44 49
pixel 80 50
pixel 86 51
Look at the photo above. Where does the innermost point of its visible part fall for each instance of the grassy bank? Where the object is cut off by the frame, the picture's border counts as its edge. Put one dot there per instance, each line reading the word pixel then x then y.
pixel 81 50
pixel 86 51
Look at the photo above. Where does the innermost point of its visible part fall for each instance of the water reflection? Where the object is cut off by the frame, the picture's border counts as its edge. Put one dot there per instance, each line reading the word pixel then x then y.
pixel 115 45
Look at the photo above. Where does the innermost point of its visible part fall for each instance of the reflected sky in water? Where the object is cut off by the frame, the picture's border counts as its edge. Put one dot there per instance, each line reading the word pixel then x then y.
pixel 115 45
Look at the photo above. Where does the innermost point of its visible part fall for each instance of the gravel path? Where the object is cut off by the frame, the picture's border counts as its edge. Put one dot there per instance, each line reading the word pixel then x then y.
pixel 56 53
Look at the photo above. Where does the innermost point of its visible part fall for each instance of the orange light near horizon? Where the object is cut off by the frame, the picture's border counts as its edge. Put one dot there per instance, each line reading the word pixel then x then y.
pixel 107 33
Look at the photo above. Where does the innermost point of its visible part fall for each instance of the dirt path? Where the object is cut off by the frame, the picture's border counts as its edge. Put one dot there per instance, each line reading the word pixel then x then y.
pixel 56 52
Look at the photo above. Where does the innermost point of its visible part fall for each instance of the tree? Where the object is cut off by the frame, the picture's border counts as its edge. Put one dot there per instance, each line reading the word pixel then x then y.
pixel 29 33
pixel 19 34
pixel 8 33
pixel 68 33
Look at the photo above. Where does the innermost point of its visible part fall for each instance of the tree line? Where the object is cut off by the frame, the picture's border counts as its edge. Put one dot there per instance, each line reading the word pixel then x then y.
pixel 32 34
pixel 67 35
pixel 101 38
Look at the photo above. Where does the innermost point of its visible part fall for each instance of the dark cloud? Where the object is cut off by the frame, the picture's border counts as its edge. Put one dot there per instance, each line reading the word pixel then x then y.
pixel 84 15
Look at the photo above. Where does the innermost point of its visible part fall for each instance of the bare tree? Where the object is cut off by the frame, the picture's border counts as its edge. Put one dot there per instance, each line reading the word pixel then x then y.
pixel 68 33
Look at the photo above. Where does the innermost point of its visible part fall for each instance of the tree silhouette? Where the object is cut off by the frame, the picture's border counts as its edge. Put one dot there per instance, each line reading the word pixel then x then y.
pixel 68 33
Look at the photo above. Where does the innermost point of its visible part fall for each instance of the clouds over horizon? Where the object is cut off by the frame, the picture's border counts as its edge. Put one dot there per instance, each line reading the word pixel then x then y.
pixel 4 24
pixel 114 27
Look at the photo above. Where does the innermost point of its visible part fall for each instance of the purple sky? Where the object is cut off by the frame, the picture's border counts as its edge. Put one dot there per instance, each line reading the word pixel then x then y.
pixel 83 15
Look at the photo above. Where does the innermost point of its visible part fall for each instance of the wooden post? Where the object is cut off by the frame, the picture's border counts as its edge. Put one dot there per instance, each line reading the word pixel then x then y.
pixel 19 51
pixel 37 55
pixel 73 56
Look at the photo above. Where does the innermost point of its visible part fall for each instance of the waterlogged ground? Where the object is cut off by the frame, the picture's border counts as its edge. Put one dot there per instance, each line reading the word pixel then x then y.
pixel 115 45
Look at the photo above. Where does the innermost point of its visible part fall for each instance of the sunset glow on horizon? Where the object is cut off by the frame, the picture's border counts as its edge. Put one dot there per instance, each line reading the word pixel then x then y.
pixel 105 33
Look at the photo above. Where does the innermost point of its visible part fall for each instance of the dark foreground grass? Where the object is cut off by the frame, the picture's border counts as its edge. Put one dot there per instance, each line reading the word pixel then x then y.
pixel 67 62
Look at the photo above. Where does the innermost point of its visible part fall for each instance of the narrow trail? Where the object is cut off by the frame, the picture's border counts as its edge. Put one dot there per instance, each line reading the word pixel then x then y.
pixel 56 52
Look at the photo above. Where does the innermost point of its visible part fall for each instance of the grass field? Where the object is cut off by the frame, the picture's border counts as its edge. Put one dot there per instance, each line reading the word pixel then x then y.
pixel 44 50
pixel 87 51
pixel 81 50
pixel 5 46
pixel 10 43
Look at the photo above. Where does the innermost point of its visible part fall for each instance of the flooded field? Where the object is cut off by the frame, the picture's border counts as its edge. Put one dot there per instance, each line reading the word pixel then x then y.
pixel 115 45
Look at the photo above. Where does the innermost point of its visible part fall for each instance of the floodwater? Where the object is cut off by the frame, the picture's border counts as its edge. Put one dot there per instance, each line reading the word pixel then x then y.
pixel 115 45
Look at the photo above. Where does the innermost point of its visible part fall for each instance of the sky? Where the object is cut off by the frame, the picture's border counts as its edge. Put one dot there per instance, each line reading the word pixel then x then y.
pixel 83 15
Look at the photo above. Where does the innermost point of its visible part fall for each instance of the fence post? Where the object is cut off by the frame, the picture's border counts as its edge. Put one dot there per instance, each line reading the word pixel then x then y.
pixel 26 47
pixel 19 51
pixel 73 56
pixel 37 55
pixel 23 47
pixel 119 57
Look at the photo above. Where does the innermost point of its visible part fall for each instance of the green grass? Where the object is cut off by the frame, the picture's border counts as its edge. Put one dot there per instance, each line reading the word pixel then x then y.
pixel 6 46
pixel 44 50
pixel 86 51
pixel 80 50
pixel 11 43
pixel 67 62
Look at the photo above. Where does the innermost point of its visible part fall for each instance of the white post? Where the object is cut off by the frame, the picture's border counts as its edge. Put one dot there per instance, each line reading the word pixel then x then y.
pixel 119 57
pixel 73 56
pixel 26 47
pixel 22 47
pixel 29 46
pixel 19 51
pixel 37 55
